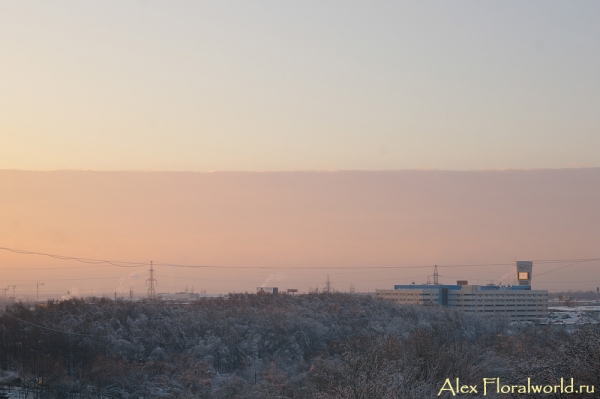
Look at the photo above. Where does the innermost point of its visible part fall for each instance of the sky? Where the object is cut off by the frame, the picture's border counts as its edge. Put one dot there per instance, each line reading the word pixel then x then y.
pixel 275 86
pixel 294 135
pixel 292 229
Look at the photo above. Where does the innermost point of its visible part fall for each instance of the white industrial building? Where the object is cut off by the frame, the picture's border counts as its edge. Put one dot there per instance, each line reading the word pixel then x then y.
pixel 519 302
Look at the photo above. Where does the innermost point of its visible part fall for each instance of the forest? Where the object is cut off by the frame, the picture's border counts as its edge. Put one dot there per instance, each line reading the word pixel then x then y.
pixel 319 346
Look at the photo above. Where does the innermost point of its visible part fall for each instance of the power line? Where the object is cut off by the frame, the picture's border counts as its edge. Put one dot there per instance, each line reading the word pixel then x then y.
pixel 69 279
pixel 51 268
pixel 325 267
pixel 554 270
pixel 82 260
pixel 46 328
pixel 560 268
pixel 140 264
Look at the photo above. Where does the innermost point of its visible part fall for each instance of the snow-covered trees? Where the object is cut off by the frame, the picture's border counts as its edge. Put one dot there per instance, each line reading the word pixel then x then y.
pixel 303 346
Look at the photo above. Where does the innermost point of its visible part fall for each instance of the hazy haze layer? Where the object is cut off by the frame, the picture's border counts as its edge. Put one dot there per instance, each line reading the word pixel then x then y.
pixel 295 219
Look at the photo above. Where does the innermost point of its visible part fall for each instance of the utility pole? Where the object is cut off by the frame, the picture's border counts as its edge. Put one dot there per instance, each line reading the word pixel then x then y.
pixel 327 285
pixel 150 282
pixel 37 290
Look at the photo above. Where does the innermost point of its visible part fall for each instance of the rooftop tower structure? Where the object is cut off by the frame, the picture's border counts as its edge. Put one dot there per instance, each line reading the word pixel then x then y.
pixel 524 268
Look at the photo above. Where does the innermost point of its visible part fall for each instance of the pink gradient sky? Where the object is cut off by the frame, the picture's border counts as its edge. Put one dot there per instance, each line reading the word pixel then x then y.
pixel 296 220
pixel 469 88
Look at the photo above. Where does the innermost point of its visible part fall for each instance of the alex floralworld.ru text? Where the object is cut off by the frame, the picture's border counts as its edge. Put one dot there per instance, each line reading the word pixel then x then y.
pixel 494 385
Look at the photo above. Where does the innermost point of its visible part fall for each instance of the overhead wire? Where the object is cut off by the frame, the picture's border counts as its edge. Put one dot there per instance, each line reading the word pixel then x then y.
pixel 560 268
pixel 90 262
pixel 82 260
pixel 46 328
pixel 320 267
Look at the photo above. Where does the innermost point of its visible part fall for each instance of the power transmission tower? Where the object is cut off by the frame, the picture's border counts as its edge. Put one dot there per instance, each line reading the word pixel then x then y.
pixel 37 290
pixel 4 292
pixel 13 287
pixel 435 275
pixel 150 282
pixel 327 285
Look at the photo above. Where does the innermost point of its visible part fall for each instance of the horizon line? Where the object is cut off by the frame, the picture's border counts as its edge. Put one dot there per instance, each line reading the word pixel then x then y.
pixel 304 170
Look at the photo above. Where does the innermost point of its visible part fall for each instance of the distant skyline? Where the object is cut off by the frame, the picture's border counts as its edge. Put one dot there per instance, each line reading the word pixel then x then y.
pixel 356 227
pixel 268 85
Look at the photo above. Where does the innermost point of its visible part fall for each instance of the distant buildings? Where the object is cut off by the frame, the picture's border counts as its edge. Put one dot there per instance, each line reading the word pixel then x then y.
pixel 267 290
pixel 187 296
pixel 519 302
